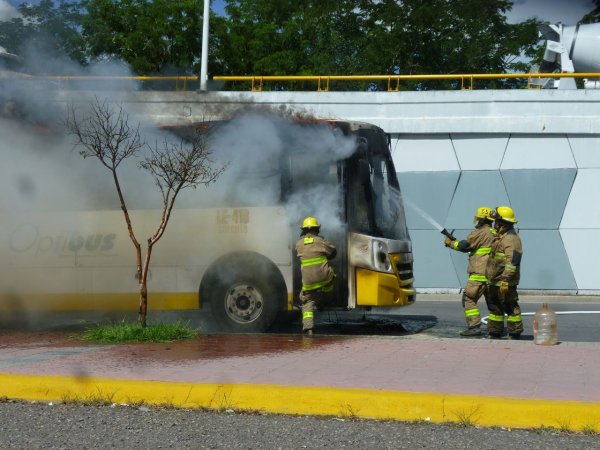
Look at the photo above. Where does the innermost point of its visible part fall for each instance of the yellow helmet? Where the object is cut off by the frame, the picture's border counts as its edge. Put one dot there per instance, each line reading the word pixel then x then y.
pixel 484 213
pixel 310 222
pixel 505 213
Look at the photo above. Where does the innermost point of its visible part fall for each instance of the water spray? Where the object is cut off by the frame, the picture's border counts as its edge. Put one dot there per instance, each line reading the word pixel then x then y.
pixel 430 219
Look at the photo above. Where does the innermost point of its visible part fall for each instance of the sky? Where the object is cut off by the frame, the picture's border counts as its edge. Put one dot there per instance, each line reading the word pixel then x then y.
pixel 566 11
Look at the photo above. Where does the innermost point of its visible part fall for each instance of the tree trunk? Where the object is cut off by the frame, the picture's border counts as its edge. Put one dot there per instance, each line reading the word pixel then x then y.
pixel 144 286
pixel 143 304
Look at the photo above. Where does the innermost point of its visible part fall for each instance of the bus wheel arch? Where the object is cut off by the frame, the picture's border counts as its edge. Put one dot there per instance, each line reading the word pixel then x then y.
pixel 246 291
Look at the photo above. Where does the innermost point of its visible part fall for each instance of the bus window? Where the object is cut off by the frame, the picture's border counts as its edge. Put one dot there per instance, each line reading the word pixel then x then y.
pixel 387 204
pixel 374 203
pixel 359 196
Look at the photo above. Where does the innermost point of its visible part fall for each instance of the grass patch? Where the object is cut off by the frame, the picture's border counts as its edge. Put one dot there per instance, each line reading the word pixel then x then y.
pixel 589 429
pixel 467 418
pixel 95 399
pixel 564 426
pixel 133 332
pixel 348 412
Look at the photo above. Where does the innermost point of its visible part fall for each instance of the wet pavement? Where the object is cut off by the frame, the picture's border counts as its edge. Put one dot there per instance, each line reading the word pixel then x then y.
pixel 399 371
pixel 402 377
pixel 355 324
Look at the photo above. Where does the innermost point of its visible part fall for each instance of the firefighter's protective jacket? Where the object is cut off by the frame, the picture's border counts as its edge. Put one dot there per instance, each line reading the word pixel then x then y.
pixel 505 260
pixel 314 253
pixel 479 246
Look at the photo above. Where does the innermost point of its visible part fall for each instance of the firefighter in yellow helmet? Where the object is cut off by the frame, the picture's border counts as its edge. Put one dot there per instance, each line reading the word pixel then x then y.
pixel 503 272
pixel 317 275
pixel 478 245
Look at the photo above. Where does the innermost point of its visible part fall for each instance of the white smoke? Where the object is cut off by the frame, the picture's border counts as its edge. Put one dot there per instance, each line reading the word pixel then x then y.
pixel 44 180
pixel 259 145
pixel 7 11
pixel 272 159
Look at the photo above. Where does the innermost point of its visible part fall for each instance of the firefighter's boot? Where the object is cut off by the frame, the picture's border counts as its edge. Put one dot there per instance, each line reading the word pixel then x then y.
pixel 471 332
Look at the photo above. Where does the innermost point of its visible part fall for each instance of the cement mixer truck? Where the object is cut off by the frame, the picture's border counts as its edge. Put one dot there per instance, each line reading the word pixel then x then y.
pixel 571 49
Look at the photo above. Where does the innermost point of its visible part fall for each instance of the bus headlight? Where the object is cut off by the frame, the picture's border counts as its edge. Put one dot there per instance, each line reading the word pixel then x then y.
pixel 369 253
pixel 380 257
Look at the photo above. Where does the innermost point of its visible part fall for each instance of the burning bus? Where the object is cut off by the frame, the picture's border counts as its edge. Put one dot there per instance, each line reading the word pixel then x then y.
pixel 229 249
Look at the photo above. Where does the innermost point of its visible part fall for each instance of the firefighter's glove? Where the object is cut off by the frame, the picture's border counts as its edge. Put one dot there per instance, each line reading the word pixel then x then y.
pixel 447 242
pixel 504 287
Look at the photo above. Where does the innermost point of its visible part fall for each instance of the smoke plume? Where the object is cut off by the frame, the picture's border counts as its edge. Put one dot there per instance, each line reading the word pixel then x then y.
pixel 7 11
pixel 61 228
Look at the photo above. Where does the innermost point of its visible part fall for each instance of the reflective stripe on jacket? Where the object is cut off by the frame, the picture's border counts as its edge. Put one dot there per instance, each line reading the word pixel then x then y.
pixel 505 259
pixel 314 253
pixel 479 246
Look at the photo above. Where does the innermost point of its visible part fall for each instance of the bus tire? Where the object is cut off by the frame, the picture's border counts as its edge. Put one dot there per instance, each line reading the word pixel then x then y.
pixel 246 291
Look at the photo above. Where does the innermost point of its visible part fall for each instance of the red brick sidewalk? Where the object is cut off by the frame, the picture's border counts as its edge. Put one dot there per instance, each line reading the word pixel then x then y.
pixel 553 383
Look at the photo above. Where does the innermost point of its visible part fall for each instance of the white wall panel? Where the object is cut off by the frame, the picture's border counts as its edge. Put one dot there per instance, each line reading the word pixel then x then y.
pixel 479 151
pixel 583 248
pixel 538 196
pixel 545 264
pixel 475 189
pixel 586 150
pixel 427 197
pixel 424 153
pixel 461 111
pixel 583 209
pixel 433 266
pixel 538 152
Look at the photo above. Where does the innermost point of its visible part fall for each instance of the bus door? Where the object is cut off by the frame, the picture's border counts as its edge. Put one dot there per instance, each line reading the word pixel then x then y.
pixel 313 187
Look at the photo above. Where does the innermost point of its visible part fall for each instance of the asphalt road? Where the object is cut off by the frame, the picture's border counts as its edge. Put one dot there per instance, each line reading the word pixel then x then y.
pixel 442 316
pixel 433 315
pixel 37 426
pixel 578 317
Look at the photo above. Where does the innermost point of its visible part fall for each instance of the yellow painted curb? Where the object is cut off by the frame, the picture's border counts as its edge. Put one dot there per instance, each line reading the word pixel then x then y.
pixel 308 400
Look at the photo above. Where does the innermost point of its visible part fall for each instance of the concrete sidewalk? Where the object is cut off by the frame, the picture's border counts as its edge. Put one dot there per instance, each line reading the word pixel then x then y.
pixel 471 382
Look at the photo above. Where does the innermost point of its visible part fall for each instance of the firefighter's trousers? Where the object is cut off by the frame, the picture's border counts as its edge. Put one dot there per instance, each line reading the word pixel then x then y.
pixel 472 293
pixel 311 300
pixel 499 305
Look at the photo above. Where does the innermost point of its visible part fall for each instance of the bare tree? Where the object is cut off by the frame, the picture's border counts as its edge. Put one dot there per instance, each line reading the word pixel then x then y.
pixel 105 133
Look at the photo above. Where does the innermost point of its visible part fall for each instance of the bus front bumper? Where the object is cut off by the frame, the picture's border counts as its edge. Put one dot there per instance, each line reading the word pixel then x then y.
pixel 381 289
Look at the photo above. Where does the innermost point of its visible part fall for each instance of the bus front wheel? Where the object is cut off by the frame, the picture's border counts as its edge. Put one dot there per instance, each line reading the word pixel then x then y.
pixel 245 292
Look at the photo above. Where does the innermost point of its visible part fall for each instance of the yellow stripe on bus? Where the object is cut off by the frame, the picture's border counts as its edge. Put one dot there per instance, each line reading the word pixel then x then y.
pixel 157 301
pixel 98 302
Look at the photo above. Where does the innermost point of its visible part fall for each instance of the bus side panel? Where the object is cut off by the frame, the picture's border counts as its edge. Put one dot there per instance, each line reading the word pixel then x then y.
pixel 86 260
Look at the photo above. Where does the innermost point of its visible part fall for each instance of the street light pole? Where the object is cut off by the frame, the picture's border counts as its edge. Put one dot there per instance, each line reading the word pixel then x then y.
pixel 204 61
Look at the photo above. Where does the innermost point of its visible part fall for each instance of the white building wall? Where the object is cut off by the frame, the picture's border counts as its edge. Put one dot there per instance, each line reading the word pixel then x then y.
pixel 536 177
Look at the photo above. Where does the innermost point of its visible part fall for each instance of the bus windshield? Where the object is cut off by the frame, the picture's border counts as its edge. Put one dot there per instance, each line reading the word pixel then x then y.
pixel 374 203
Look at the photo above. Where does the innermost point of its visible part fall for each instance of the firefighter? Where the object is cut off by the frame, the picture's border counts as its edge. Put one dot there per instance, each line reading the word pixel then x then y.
pixel 503 272
pixel 317 275
pixel 478 244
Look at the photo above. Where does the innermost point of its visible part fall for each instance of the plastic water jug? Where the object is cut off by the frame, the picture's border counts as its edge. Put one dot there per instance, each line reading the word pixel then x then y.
pixel 545 329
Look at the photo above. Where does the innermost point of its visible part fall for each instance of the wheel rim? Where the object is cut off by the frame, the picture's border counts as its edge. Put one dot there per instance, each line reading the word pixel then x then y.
pixel 244 303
